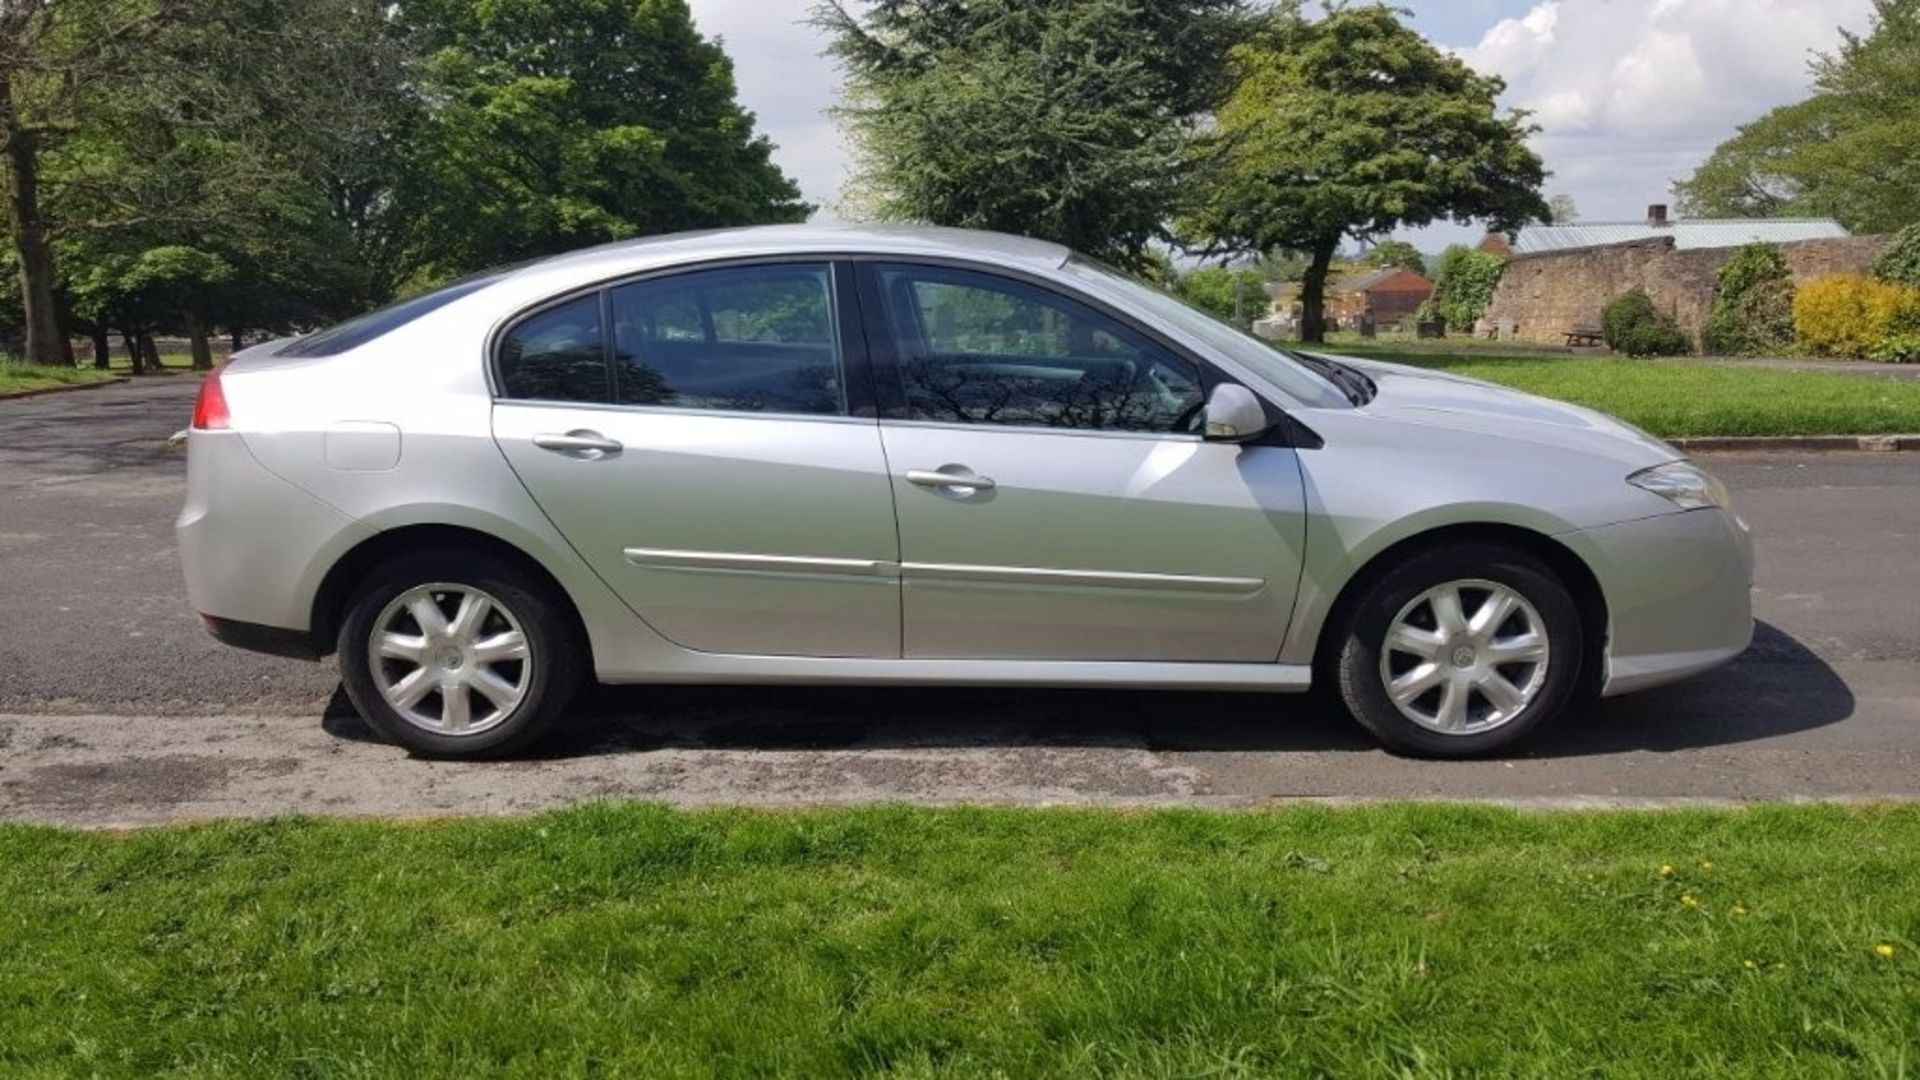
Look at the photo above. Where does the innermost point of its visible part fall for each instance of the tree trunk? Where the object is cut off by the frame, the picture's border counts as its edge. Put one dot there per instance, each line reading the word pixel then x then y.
pixel 197 337
pixel 134 355
pixel 1313 293
pixel 41 317
pixel 234 338
pixel 102 346
pixel 152 352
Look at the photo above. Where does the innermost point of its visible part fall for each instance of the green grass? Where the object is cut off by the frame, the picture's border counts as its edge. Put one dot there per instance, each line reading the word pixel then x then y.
pixel 1674 399
pixel 16 376
pixel 1407 940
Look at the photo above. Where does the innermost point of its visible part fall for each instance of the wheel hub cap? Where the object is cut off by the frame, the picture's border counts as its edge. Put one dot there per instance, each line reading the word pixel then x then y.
pixel 1465 657
pixel 450 658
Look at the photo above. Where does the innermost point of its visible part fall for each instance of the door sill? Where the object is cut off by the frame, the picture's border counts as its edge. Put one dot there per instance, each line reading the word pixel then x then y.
pixel 804 670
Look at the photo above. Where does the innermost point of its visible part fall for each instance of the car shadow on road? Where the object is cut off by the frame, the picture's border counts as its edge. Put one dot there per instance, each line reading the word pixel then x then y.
pixel 1779 687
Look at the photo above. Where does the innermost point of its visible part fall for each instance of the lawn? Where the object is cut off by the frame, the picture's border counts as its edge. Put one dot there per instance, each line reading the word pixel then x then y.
pixel 15 376
pixel 1404 940
pixel 1675 399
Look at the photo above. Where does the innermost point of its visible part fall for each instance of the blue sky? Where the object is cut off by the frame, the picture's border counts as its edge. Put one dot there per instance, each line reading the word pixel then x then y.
pixel 1631 94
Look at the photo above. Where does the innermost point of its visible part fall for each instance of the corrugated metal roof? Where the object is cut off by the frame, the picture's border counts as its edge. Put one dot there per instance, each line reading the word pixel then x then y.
pixel 1703 233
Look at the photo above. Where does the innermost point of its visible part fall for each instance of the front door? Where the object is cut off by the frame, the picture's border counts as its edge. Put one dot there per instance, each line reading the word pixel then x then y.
pixel 1054 499
pixel 692 437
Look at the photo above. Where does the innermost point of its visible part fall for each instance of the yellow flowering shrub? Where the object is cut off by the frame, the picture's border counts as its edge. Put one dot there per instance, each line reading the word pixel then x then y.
pixel 1852 315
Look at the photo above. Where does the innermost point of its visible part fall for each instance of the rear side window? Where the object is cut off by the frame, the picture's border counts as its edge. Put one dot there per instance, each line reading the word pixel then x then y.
pixel 556 355
pixel 362 329
pixel 741 339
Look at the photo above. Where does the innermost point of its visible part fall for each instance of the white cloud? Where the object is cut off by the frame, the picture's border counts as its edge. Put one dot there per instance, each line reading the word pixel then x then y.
pixel 786 82
pixel 1632 94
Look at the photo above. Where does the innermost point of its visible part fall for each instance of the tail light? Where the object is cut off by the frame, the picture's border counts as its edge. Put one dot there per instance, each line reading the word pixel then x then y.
pixel 210 408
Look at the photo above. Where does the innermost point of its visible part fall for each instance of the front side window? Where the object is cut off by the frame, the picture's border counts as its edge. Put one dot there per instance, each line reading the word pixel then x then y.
pixel 976 348
pixel 556 355
pixel 747 339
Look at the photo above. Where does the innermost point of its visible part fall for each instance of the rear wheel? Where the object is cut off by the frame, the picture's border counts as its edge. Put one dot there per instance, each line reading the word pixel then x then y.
pixel 458 654
pixel 1461 651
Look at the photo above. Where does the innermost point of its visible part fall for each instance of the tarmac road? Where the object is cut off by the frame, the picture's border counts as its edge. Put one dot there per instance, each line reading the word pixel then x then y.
pixel 116 708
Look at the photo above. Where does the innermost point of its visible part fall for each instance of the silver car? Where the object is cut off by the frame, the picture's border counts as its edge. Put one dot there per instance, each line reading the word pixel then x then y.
pixel 926 456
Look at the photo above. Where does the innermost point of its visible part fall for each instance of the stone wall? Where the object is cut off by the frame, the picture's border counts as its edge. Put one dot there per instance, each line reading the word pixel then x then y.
pixel 1544 295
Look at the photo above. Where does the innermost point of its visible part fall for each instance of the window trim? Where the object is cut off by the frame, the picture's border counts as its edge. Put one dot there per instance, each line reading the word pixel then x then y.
pixel 849 339
pixel 886 362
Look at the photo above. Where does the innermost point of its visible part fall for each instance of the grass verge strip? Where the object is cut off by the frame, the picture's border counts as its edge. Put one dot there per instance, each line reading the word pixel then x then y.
pixel 633 940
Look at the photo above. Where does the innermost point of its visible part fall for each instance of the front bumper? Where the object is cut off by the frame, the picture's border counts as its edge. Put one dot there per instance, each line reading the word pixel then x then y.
pixel 1679 592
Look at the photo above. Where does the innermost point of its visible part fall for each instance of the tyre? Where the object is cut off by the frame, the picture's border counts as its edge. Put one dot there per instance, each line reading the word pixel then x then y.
pixel 459 654
pixel 1460 651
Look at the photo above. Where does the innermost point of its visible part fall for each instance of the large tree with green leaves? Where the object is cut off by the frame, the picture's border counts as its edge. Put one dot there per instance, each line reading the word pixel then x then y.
pixel 1062 119
pixel 551 124
pixel 1846 152
pixel 1353 126
pixel 60 62
pixel 201 193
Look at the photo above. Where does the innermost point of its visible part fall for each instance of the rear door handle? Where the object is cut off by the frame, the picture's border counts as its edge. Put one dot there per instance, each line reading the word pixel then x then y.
pixel 580 443
pixel 951 477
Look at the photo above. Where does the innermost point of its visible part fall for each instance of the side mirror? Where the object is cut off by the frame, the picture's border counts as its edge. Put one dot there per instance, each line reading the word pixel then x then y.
pixel 1234 414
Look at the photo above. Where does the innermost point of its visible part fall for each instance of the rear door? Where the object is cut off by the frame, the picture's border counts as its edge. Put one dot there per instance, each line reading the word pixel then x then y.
pixel 706 441
pixel 1055 498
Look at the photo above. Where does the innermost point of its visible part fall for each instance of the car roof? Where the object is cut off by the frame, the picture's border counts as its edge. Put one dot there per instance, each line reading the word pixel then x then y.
pixel 646 253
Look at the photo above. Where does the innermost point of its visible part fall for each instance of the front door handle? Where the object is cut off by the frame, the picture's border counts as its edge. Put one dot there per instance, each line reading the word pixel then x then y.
pixel 580 443
pixel 955 478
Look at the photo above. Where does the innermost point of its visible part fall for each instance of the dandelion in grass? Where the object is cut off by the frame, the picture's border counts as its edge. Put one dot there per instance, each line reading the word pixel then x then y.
pixel 1689 900
pixel 1706 866
pixel 1666 869
pixel 1739 909
pixel 1883 950
pixel 1749 965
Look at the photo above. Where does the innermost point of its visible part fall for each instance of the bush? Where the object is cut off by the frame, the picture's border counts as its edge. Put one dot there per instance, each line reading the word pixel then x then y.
pixel 1852 315
pixel 1900 263
pixel 1465 288
pixel 1631 324
pixel 1215 287
pixel 1752 306
pixel 1898 349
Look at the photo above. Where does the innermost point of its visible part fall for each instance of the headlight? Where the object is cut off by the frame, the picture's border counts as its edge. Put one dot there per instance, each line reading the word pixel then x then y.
pixel 1686 485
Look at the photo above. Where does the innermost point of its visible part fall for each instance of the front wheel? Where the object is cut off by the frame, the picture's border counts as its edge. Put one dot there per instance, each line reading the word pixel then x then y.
pixel 1460 652
pixel 458 654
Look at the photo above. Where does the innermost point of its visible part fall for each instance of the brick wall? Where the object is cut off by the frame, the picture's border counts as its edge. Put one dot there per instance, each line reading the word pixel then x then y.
pixel 1546 294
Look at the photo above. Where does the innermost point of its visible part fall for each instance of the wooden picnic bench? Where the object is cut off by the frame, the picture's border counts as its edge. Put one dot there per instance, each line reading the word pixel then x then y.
pixel 1585 336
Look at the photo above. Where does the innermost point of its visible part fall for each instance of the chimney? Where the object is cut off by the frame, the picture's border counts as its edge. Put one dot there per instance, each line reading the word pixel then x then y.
pixel 1657 215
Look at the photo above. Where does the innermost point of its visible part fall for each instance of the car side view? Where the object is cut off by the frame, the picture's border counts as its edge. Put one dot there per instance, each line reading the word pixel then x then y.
pixel 806 454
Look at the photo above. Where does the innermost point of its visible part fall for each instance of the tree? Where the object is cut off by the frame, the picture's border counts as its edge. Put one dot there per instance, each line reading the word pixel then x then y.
pixel 200 193
pixel 1062 119
pixel 1846 152
pixel 552 124
pixel 1354 126
pixel 58 60
pixel 1561 210
pixel 1397 253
